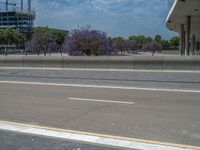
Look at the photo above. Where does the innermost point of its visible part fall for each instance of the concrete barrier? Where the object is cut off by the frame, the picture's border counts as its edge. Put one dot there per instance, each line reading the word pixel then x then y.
pixel 178 63
pixel 33 61
pixel 2 61
pixel 148 63
pixel 121 62
pixel 13 61
pixel 73 62
pixel 196 63
pixel 191 63
pixel 97 62
pixel 52 62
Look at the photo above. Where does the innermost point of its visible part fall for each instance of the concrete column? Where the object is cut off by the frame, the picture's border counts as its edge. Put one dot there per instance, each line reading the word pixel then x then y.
pixel 198 47
pixel 188 30
pixel 193 44
pixel 182 38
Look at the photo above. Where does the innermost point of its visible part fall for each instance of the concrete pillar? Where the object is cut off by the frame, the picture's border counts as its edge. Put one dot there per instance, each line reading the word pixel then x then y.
pixel 188 30
pixel 193 44
pixel 182 38
pixel 198 47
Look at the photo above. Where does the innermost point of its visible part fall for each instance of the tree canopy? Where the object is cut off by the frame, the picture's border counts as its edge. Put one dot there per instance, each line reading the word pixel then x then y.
pixel 84 41
pixel 81 41
pixel 141 39
pixel 11 36
pixel 59 35
pixel 174 42
pixel 44 39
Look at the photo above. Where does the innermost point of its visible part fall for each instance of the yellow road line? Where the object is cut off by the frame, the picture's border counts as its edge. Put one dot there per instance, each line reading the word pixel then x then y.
pixel 103 135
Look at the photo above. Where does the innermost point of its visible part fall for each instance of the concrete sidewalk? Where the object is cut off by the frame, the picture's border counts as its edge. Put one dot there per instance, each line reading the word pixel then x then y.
pixel 18 141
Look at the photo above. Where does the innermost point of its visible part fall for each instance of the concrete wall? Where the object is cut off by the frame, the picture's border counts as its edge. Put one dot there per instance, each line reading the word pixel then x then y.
pixel 191 63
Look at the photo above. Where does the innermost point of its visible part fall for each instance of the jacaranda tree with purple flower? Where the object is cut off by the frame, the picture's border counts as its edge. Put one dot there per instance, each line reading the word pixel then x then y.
pixel 124 44
pixel 84 41
pixel 42 42
pixel 152 46
pixel 45 40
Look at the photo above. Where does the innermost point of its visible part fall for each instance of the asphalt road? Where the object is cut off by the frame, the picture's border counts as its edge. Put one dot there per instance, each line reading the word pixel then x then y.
pixel 167 116
pixel 16 141
pixel 172 80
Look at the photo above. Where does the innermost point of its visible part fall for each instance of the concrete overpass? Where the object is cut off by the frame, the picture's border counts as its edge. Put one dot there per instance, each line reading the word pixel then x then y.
pixel 184 18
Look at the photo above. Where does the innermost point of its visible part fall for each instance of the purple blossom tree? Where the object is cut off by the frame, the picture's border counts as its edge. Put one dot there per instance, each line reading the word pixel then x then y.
pixel 119 43
pixel 42 42
pixel 124 45
pixel 130 45
pixel 152 46
pixel 84 41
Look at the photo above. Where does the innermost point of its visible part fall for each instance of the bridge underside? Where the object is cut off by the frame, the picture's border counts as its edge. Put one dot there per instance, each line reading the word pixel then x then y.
pixel 184 18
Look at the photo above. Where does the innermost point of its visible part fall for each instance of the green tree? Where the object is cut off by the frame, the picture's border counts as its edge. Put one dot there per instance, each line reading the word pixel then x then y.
pixel 157 38
pixel 165 44
pixel 54 35
pixel 174 42
pixel 119 42
pixel 148 39
pixel 11 36
pixel 42 42
pixel 58 34
pixel 141 39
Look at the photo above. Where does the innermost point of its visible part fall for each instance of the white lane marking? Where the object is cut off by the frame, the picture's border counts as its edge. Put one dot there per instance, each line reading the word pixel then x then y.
pixel 102 87
pixel 111 70
pixel 99 100
pixel 89 138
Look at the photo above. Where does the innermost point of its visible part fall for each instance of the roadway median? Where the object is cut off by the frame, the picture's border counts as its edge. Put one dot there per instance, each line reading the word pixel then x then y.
pixel 162 63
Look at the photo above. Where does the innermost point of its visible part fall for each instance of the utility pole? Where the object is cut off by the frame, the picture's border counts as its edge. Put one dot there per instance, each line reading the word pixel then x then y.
pixel 22 5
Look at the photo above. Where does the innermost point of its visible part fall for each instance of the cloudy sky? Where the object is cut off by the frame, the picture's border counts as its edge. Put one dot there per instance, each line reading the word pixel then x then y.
pixel 116 17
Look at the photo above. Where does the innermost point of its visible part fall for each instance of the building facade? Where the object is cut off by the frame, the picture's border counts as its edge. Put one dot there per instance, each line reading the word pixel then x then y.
pixel 21 19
